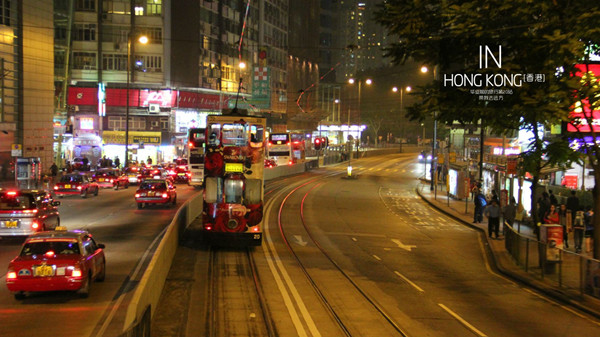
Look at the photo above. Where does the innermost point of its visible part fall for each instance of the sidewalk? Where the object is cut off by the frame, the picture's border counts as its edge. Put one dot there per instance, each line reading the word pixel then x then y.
pixel 501 258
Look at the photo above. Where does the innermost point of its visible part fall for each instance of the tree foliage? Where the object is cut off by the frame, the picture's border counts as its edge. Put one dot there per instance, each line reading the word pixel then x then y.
pixel 537 37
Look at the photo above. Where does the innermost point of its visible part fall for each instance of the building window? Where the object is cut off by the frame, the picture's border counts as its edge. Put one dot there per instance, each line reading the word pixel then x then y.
pixel 148 63
pixel 164 124
pixel 114 62
pixel 86 5
pixel 85 61
pixel 117 123
pixel 154 7
pixel 84 32
pixel 5 12
pixel 154 34
pixel 115 6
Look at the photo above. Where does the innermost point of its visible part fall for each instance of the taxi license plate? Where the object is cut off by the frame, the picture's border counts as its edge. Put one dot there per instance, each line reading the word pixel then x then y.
pixel 11 224
pixel 150 194
pixel 67 186
pixel 180 174
pixel 43 271
pixel 101 179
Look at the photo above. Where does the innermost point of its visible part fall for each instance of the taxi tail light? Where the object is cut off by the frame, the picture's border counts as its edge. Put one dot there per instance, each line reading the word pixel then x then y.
pixel 35 225
pixel 270 144
pixel 79 188
pixel 11 275
pixel 290 162
pixel 189 174
pixel 111 180
pixel 165 195
pixel 76 272
pixel 27 211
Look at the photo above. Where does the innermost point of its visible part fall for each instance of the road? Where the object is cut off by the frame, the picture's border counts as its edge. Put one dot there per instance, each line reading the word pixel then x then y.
pixel 428 274
pixel 113 218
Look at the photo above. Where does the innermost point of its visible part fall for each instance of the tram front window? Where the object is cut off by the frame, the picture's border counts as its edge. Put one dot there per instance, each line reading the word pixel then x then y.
pixel 234 190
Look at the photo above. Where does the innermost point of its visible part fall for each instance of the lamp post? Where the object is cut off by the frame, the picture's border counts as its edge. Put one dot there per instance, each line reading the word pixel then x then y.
pixel 408 88
pixel 424 69
pixel 368 81
pixel 143 40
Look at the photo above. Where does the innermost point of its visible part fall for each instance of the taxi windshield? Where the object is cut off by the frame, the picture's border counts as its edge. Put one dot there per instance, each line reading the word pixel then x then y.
pixel 15 202
pixel 58 247
pixel 154 185
pixel 70 179
pixel 106 173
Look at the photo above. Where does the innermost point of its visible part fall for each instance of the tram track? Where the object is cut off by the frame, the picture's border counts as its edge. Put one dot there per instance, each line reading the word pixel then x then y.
pixel 236 303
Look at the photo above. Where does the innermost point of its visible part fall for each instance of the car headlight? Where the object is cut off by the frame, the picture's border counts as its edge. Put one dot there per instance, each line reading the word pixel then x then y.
pixel 429 157
pixel 420 157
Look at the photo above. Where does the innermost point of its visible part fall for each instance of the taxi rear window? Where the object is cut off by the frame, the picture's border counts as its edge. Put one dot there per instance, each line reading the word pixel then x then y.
pixel 153 185
pixel 17 201
pixel 70 179
pixel 58 247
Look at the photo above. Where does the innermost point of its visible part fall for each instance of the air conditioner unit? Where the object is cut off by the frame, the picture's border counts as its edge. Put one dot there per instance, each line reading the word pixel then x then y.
pixel 154 108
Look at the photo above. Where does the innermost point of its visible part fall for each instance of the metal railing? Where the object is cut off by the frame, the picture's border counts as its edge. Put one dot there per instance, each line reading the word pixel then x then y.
pixel 573 274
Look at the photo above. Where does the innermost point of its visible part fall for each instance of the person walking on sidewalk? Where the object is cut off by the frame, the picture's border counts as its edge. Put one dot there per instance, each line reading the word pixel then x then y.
pixel 566 223
pixel 509 213
pixel 492 212
pixel 573 205
pixel 552 217
pixel 578 228
pixel 480 204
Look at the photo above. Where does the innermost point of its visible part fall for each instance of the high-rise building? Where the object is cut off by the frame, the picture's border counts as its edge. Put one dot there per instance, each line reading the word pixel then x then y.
pixel 26 83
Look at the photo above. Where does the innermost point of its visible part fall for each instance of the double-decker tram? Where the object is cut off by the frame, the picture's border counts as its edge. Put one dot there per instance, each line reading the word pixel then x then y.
pixel 233 175
pixel 196 149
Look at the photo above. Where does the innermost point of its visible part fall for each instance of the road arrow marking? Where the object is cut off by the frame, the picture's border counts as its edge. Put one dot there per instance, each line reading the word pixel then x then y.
pixel 300 241
pixel 403 246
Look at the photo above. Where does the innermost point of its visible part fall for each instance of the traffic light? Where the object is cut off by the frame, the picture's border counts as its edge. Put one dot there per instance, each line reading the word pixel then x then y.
pixel 325 141
pixel 318 143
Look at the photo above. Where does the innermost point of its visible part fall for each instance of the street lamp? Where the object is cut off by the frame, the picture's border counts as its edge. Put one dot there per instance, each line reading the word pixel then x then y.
pixel 143 40
pixel 368 81
pixel 408 88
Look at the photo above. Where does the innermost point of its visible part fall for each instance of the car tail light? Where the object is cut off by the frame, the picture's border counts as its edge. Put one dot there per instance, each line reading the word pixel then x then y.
pixel 208 228
pixel 11 275
pixel 111 181
pixel 76 272
pixel 35 225
pixel 290 162
pixel 30 211
pixel 50 253
pixel 79 188
pixel 165 195
pixel 55 187
pixel 137 195
pixel 11 193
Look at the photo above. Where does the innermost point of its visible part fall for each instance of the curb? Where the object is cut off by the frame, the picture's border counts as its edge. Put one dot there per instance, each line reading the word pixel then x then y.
pixel 516 276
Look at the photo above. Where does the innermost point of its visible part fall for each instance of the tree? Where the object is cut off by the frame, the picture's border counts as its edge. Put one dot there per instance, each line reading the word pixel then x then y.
pixel 534 37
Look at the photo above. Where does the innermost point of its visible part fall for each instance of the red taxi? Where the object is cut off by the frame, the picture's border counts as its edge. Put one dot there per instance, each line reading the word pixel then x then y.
pixel 108 177
pixel 57 261
pixel 156 191
pixel 76 184
pixel 133 174
pixel 24 212
pixel 179 174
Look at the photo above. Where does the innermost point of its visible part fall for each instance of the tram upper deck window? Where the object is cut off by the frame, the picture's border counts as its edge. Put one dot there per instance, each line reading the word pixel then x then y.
pixel 234 190
pixel 235 135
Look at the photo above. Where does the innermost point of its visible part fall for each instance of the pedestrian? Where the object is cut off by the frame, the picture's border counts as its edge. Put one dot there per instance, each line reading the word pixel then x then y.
pixel 53 172
pixel 492 212
pixel 480 204
pixel 543 205
pixel 117 162
pixel 578 229
pixel 566 223
pixel 552 197
pixel 495 196
pixel 552 217
pixel 149 161
pixel 85 162
pixel 588 219
pixel 509 213
pixel 573 205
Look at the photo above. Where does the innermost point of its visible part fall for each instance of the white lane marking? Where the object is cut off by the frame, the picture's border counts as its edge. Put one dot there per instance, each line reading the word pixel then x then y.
pixel 409 281
pixel 354 239
pixel 377 257
pixel 562 306
pixel 403 246
pixel 461 320
pixel 278 270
